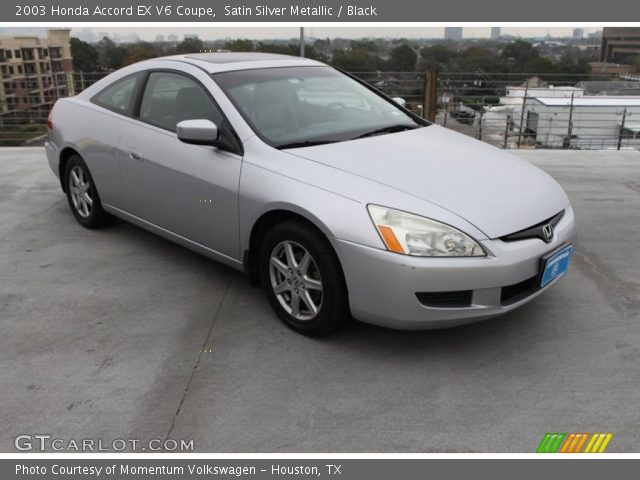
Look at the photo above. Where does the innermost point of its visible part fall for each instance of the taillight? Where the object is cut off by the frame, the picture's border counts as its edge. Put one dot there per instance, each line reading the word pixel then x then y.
pixel 49 121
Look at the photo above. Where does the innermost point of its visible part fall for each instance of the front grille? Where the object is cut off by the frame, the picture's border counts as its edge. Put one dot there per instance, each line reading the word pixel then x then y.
pixel 455 299
pixel 518 291
pixel 536 231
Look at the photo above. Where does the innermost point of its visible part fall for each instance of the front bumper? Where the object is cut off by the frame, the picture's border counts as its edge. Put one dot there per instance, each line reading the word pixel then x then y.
pixel 383 285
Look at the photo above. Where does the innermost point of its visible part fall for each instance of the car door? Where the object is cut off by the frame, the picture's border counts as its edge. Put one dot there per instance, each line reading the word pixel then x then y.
pixel 189 190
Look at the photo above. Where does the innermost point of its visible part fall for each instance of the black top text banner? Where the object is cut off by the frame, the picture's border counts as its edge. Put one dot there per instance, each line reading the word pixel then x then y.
pixel 298 11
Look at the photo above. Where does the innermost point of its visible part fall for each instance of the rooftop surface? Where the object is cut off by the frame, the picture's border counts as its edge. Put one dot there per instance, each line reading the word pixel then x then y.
pixel 118 333
pixel 597 101
pixel 610 88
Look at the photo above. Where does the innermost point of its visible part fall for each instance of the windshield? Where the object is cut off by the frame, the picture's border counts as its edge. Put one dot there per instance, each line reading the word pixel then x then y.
pixel 301 106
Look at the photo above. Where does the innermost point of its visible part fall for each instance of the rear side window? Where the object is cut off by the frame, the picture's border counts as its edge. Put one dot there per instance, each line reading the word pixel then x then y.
pixel 170 98
pixel 119 95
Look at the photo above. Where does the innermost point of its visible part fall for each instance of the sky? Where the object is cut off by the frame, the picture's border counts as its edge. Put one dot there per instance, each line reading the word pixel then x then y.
pixel 262 32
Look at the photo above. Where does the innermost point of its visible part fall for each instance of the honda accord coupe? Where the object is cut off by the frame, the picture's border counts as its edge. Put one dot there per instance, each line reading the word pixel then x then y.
pixel 339 201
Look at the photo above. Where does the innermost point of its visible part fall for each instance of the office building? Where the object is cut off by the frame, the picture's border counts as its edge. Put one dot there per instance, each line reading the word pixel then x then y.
pixel 619 44
pixel 453 33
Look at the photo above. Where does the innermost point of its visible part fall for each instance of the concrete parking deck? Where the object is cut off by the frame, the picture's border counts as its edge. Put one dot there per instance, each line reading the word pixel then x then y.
pixel 120 334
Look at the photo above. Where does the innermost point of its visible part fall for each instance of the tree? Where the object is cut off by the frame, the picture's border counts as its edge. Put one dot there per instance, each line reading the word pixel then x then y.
pixel 240 45
pixel 540 65
pixel 323 47
pixel 112 56
pixel 438 55
pixel 354 60
pixel 279 48
pixel 190 45
pixel 292 49
pixel 478 59
pixel 142 51
pixel 519 53
pixel 366 45
pixel 576 61
pixel 85 57
pixel 403 59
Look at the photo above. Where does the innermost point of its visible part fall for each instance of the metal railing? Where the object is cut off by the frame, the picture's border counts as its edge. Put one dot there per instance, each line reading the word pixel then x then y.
pixel 503 109
pixel 26 100
pixel 509 110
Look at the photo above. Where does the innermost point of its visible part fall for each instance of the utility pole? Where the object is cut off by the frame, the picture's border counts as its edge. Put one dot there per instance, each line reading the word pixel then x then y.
pixel 570 126
pixel 524 103
pixel 302 42
pixel 624 117
pixel 430 95
pixel 480 124
pixel 506 131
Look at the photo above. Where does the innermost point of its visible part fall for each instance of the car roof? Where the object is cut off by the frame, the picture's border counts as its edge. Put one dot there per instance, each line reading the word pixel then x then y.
pixel 215 62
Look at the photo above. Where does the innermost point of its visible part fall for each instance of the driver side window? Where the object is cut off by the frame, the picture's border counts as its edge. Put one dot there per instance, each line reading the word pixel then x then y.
pixel 170 98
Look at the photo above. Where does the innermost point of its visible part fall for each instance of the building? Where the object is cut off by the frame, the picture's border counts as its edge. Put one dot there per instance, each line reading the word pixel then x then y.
pixel 453 33
pixel 516 94
pixel 586 88
pixel 172 37
pixel 594 38
pixel 586 123
pixel 619 44
pixel 617 88
pixel 35 71
pixel 612 68
pixel 160 38
pixel 495 33
pixel 578 33
pixel 589 115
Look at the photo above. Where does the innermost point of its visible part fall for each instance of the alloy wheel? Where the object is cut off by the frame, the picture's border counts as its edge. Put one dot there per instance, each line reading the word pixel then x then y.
pixel 81 193
pixel 295 280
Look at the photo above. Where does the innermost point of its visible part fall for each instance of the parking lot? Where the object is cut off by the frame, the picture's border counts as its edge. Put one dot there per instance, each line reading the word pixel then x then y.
pixel 120 334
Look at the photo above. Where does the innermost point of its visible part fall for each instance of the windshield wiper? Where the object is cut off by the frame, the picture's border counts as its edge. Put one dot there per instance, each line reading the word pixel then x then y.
pixel 304 143
pixel 389 129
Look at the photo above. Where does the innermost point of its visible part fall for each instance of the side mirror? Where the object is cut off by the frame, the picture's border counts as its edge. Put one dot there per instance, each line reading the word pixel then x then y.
pixel 198 132
pixel 400 101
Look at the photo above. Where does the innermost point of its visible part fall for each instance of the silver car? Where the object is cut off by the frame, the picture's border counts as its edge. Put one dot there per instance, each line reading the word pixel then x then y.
pixel 337 199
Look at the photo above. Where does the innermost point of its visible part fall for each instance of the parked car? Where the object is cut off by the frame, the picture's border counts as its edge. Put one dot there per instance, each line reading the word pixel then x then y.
pixel 463 114
pixel 335 198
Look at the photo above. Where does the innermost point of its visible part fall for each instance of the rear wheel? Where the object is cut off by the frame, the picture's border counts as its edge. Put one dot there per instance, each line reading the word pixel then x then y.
pixel 82 195
pixel 303 278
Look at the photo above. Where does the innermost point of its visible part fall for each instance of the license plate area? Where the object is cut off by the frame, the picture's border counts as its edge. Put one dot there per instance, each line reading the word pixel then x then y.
pixel 555 264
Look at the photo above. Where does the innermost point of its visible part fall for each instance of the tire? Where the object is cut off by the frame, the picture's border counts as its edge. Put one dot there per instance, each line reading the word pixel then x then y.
pixel 82 195
pixel 316 278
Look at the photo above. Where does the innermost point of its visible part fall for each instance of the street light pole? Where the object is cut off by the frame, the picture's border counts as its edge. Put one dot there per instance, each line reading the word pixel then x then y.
pixel 302 41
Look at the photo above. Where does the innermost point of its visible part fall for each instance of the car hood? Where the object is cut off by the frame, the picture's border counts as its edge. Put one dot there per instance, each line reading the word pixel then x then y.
pixel 494 190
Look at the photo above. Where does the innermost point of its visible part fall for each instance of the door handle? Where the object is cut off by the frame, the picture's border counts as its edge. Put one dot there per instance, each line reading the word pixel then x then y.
pixel 135 156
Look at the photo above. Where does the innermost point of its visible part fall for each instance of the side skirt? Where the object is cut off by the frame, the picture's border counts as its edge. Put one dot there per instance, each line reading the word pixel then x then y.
pixel 174 237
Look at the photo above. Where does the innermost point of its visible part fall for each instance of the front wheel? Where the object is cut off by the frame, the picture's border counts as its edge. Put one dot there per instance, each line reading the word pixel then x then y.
pixel 303 278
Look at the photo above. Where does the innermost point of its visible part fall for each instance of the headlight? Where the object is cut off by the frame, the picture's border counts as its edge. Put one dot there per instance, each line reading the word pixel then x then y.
pixel 410 234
